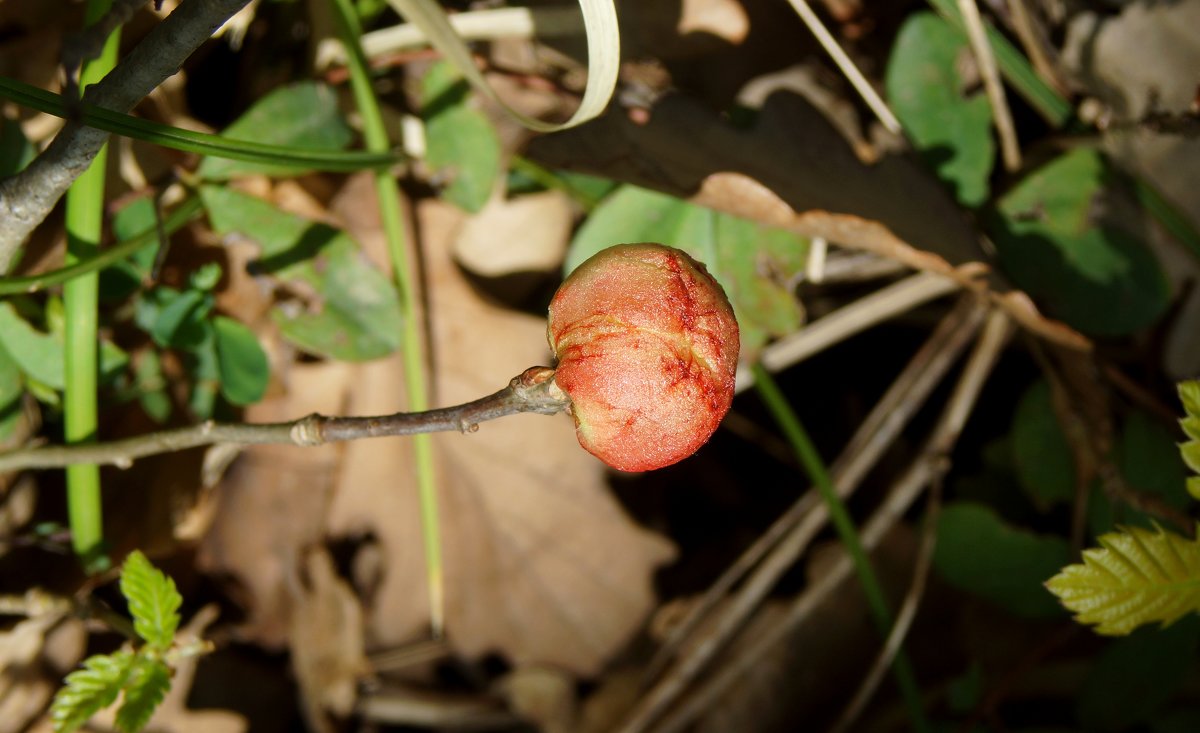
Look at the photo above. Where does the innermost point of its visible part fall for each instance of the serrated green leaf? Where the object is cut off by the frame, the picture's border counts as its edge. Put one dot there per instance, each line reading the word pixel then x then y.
pixel 1193 487
pixel 242 361
pixel 981 554
pixel 951 128
pixel 1137 576
pixel 153 601
pixel 1068 234
pixel 88 690
pixel 304 115
pixel 754 264
pixel 1041 455
pixel 1191 454
pixel 1191 427
pixel 359 317
pixel 148 684
pixel 1189 395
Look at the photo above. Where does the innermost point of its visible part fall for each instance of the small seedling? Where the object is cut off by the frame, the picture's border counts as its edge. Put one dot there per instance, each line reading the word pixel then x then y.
pixel 141 672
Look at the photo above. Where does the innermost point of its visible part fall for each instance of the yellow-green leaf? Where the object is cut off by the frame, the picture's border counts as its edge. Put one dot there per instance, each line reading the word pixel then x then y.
pixel 1136 576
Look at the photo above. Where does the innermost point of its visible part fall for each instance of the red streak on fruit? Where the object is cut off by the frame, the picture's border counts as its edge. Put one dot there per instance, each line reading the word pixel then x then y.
pixel 647 348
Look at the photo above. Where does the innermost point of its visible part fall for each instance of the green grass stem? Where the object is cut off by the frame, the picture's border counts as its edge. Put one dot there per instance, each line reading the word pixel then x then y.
pixel 201 143
pixel 392 217
pixel 810 459
pixel 85 226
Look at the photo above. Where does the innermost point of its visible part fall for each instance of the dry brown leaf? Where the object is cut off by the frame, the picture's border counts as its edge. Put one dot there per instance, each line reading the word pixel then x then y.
pixel 34 656
pixel 725 19
pixel 273 502
pixel 518 235
pixel 326 640
pixel 543 696
pixel 743 196
pixel 541 563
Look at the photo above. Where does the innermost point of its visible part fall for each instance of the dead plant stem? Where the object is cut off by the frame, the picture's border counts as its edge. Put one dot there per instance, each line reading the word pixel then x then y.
pixel 929 465
pixel 1010 151
pixel 777 550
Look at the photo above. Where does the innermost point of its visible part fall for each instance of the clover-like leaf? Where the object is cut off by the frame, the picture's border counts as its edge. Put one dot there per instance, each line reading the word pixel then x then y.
pixel 1136 576
pixel 148 683
pixel 89 689
pixel 153 601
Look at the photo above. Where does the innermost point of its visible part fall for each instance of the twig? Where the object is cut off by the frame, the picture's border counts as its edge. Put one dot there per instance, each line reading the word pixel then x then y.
pixel 1010 151
pixel 787 538
pixel 89 42
pixel 1035 43
pixel 929 465
pixel 27 197
pixel 904 619
pixel 847 321
pixel 534 390
pixel 843 61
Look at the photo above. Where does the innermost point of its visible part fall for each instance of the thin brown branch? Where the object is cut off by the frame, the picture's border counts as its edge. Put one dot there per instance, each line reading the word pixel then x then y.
pixel 904 619
pixel 27 197
pixel 1010 151
pixel 534 390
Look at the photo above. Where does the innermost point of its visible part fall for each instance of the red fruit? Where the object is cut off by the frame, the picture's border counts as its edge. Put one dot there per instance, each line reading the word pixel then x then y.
pixel 647 348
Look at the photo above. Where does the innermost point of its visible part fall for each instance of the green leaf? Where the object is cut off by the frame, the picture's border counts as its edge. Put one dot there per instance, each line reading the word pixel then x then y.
pixel 359 314
pixel 90 689
pixel 460 143
pixel 1058 237
pixel 1189 395
pixel 153 601
pixel 1191 427
pixel 150 386
pixel 1016 69
pixel 1191 454
pixel 40 355
pixel 1135 676
pixel 1193 487
pixel 303 115
pixel 927 90
pixel 173 318
pixel 755 265
pixel 1147 457
pixel 15 150
pixel 242 361
pixel 1041 453
pixel 1137 576
pixel 196 142
pixel 148 684
pixel 204 367
pixel 10 395
pixel 981 554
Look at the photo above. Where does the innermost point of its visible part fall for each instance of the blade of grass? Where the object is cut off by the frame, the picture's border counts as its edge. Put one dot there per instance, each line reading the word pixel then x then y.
pixel 85 222
pixel 173 222
pixel 1015 68
pixel 197 142
pixel 388 193
pixel 806 452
